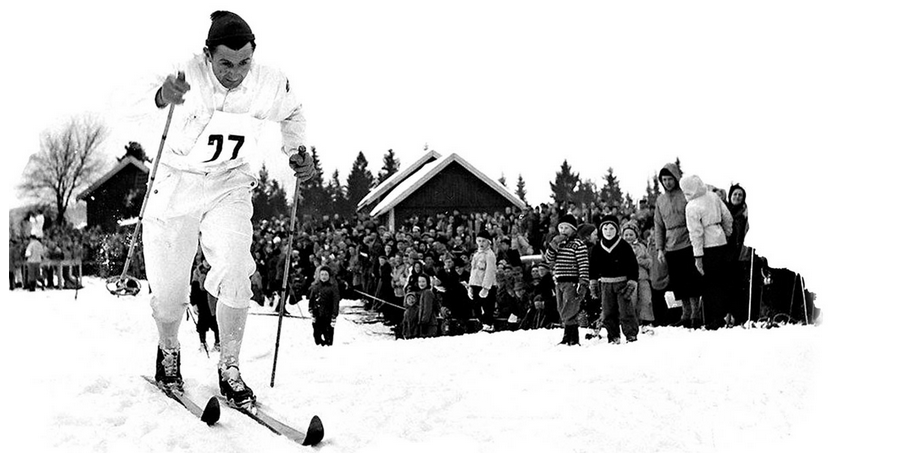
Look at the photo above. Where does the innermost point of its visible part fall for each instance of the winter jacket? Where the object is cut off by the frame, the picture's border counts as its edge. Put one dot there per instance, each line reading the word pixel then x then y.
pixel 668 219
pixel 265 94
pixel 34 253
pixel 484 269
pixel 740 226
pixel 324 300
pixel 644 259
pixel 708 220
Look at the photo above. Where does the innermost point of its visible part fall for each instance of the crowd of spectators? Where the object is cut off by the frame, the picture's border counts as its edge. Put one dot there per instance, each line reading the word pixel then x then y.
pixel 418 275
pixel 383 267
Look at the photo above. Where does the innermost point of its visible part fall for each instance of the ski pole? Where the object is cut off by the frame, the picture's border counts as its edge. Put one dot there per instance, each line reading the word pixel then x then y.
pixel 284 280
pixel 803 292
pixel 750 290
pixel 120 286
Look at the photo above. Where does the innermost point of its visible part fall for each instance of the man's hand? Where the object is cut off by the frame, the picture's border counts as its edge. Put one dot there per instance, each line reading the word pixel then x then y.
pixel 483 293
pixel 302 164
pixel 333 322
pixel 471 293
pixel 661 257
pixel 172 90
pixel 698 263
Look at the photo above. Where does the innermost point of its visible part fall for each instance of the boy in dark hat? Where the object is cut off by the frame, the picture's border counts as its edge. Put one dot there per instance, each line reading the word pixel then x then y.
pixel 568 257
pixel 614 274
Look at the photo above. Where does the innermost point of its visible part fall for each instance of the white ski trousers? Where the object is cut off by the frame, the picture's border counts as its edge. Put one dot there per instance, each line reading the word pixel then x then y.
pixel 187 208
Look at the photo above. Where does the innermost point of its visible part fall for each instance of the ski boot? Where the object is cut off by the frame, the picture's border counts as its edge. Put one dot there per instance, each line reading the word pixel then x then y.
pixel 168 370
pixel 234 389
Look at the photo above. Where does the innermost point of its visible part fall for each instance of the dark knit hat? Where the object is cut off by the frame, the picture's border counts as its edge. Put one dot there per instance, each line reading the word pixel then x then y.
pixel 568 219
pixel 228 28
pixel 585 230
pixel 610 219
pixel 485 235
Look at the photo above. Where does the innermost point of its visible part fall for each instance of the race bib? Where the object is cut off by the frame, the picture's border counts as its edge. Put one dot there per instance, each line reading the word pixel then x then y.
pixel 227 140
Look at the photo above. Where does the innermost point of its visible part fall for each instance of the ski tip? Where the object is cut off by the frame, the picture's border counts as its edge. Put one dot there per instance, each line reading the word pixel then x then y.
pixel 315 433
pixel 211 412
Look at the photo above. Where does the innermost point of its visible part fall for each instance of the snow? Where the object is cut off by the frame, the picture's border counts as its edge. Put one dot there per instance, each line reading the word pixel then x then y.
pixel 674 391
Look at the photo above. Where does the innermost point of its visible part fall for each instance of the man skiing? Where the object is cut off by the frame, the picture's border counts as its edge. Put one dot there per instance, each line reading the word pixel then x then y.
pixel 204 186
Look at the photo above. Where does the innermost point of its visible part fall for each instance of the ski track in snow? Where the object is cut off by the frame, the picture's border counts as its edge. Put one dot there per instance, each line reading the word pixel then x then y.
pixel 677 390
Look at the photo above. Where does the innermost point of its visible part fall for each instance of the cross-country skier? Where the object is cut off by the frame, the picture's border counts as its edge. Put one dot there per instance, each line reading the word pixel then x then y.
pixel 204 186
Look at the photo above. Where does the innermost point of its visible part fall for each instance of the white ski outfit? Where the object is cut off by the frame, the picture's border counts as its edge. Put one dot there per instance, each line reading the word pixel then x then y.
pixel 202 192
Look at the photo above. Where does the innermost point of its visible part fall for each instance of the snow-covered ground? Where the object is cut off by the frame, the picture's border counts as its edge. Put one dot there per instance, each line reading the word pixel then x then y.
pixel 77 373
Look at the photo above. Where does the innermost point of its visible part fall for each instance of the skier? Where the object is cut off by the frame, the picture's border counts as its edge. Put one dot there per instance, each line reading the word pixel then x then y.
pixel 203 190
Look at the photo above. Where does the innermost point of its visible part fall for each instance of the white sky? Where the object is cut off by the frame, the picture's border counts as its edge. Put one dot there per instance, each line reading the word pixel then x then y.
pixel 786 97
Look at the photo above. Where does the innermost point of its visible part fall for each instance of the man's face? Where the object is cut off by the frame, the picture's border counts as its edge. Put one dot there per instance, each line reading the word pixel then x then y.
pixel 668 182
pixel 230 66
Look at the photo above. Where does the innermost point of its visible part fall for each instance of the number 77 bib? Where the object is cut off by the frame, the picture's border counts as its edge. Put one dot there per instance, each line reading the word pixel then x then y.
pixel 227 139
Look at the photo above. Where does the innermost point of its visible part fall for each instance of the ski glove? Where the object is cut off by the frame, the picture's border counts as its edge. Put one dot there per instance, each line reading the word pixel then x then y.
pixel 303 165
pixel 172 90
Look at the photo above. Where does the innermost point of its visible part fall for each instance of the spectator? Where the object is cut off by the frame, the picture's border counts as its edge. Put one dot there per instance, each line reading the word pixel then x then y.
pixel 739 256
pixel 567 254
pixel 429 307
pixel 675 246
pixel 614 275
pixel 324 305
pixel 642 298
pixel 708 223
pixel 203 304
pixel 483 280
pixel 34 255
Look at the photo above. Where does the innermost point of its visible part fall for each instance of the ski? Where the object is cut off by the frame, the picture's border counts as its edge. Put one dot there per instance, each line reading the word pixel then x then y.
pixel 286 315
pixel 313 435
pixel 209 414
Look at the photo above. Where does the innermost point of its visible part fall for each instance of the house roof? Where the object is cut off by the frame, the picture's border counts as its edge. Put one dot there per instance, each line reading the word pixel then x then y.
pixel 124 162
pixel 428 171
pixel 382 189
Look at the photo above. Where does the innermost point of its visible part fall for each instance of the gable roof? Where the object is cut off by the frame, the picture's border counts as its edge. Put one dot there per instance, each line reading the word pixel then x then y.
pixel 428 171
pixel 124 162
pixel 382 189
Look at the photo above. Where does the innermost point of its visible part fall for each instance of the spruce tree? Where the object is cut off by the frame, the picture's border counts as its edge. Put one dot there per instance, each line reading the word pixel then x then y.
pixel 563 190
pixel 611 193
pixel 390 166
pixel 520 189
pixel 360 181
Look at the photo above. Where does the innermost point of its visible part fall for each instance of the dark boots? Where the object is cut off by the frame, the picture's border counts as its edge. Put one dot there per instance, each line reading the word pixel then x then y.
pixel 570 336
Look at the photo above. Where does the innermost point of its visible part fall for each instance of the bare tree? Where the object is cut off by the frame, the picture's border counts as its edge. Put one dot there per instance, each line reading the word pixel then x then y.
pixel 69 160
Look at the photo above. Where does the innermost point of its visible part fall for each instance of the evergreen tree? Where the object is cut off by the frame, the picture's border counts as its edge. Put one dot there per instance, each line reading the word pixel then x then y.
pixel 359 182
pixel 611 193
pixel 390 166
pixel 269 199
pixel 315 198
pixel 585 193
pixel 563 190
pixel 520 189
pixel 678 165
pixel 135 150
pixel 335 192
pixel 652 192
